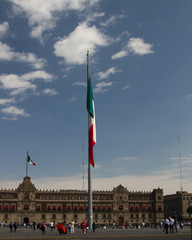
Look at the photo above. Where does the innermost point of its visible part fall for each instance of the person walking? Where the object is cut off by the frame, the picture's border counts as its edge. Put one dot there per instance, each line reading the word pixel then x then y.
pixel 43 226
pixel 11 226
pixel 83 227
pixel 15 226
pixel 171 224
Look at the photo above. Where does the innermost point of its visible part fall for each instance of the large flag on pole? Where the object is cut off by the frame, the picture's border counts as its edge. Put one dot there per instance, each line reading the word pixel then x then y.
pixel 91 119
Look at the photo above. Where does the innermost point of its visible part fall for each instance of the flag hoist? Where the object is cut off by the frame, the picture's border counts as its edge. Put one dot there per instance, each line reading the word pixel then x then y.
pixel 91 140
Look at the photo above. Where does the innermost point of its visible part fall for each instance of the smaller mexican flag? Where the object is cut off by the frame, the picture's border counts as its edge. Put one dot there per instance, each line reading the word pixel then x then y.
pixel 30 161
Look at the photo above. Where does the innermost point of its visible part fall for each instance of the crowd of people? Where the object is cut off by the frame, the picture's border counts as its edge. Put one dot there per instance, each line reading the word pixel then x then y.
pixel 168 225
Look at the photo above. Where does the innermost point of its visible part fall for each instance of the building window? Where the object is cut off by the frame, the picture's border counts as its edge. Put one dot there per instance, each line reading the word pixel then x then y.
pixel 13 208
pixel 131 215
pixel 104 216
pixel 109 215
pixel 38 208
pixel 75 216
pixel 96 216
pixel 143 216
pixel 6 207
pixel 54 208
pixel 54 216
pixel 109 208
pixel 131 208
pixel 149 215
pixel 43 216
pixel 120 207
pixel 5 216
pixel 137 215
pixel 159 208
pixel 144 208
pixel 26 207
pixel 68 208
pixel 64 216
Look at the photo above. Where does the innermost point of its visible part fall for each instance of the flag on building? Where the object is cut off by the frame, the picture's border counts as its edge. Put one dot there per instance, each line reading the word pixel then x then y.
pixel 29 160
pixel 91 119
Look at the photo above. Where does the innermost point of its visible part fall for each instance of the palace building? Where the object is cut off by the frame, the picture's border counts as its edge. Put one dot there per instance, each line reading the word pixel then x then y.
pixel 27 204
pixel 176 205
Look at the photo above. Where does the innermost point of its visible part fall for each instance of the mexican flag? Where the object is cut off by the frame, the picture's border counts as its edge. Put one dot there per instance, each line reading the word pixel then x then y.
pixel 91 120
pixel 30 161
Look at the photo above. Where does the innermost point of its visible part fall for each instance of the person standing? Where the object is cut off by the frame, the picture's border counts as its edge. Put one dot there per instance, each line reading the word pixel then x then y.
pixel 166 225
pixel 93 226
pixel 72 227
pixel 51 225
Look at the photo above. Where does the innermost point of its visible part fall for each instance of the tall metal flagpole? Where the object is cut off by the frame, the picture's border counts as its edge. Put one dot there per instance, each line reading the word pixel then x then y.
pixel 27 165
pixel 181 185
pixel 90 211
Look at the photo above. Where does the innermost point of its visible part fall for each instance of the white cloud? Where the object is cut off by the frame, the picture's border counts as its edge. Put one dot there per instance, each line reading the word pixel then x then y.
pixel 8 54
pixel 107 73
pixel 120 54
pixel 131 182
pixel 41 13
pixel 138 46
pixel 80 84
pixel 135 46
pixel 73 99
pixel 74 47
pixel 50 92
pixel 126 87
pixel 127 158
pixel 20 84
pixel 14 111
pixel 102 87
pixel 4 101
pixel 4 27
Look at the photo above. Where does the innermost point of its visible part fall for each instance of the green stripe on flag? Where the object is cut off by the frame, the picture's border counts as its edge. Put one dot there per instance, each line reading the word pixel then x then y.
pixel 90 98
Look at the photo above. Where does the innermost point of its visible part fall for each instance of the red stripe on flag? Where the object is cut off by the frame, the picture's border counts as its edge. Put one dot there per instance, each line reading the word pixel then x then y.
pixel 91 145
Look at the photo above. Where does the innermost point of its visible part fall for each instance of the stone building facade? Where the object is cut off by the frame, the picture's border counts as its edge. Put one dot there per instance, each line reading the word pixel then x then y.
pixel 176 205
pixel 26 204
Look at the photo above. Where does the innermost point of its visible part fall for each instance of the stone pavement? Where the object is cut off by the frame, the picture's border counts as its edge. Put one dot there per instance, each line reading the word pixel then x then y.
pixel 28 233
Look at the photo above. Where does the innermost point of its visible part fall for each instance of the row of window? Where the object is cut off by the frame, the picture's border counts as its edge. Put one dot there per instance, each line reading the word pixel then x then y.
pixel 74 197
pixel 81 208
pixel 54 216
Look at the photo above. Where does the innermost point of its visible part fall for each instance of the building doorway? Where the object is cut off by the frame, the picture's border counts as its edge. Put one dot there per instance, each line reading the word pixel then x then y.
pixel 121 220
pixel 26 220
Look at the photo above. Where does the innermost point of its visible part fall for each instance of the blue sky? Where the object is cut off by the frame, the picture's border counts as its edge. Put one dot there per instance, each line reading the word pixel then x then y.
pixel 140 66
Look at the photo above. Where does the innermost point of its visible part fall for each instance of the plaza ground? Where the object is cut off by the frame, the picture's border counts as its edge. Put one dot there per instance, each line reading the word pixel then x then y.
pixel 102 234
